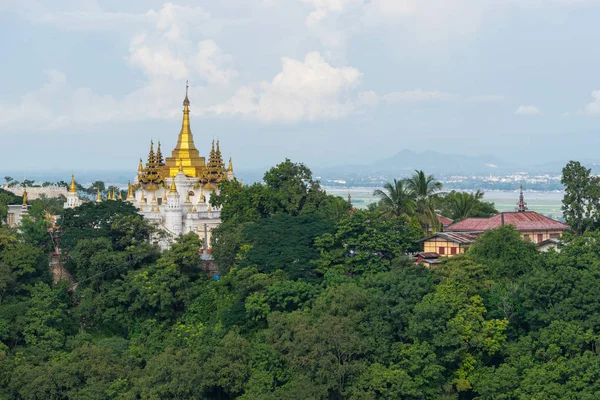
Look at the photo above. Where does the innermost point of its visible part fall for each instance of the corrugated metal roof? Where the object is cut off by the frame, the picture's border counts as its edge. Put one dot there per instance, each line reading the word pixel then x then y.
pixel 456 237
pixel 522 221
pixel 429 254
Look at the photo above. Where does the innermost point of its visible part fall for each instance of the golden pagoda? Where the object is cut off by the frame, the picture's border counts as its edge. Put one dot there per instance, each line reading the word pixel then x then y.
pixel 185 154
pixel 73 187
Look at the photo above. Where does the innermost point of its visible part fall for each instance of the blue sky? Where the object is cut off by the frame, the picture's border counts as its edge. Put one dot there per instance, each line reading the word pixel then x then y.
pixel 86 84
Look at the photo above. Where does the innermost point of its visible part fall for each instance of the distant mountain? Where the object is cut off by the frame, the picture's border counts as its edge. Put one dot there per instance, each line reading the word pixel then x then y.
pixel 406 161
pixel 438 163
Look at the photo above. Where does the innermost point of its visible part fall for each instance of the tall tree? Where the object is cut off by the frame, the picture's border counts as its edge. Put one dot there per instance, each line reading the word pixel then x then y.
pixel 581 201
pixel 462 205
pixel 424 188
pixel 396 199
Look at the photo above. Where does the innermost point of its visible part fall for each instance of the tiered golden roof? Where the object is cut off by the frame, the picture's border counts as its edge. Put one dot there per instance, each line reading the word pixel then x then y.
pixel 151 178
pixel 185 158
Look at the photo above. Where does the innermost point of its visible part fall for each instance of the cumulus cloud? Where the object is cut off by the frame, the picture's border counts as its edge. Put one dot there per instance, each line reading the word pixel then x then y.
pixel 593 108
pixel 528 110
pixel 164 51
pixel 310 89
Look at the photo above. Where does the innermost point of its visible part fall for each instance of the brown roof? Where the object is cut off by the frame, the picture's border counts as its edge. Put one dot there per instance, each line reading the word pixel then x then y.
pixel 428 254
pixel 456 237
pixel 444 221
pixel 522 221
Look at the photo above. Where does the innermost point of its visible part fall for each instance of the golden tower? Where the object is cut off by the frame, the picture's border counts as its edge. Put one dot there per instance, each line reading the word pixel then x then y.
pixel 185 154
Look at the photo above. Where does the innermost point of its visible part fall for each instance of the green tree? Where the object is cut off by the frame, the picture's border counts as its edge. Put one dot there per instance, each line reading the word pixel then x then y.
pixel 284 242
pixel 93 220
pixel 462 205
pixel 362 243
pixel 396 199
pixel 581 201
pixel 424 188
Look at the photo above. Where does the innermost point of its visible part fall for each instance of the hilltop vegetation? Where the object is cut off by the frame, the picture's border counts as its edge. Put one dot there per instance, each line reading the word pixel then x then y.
pixel 314 301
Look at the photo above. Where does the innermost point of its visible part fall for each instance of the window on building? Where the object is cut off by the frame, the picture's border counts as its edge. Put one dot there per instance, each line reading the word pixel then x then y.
pixel 453 250
pixel 442 250
pixel 554 235
pixel 525 236
pixel 540 238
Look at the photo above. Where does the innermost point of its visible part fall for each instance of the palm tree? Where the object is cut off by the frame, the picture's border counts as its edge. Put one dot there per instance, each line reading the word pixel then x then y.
pixel 425 189
pixel 336 208
pixel 396 199
pixel 461 205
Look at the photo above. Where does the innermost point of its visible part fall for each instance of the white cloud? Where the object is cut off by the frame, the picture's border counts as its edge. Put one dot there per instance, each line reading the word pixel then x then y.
pixel 593 108
pixel 311 89
pixel 528 110
pixel 164 51
pixel 419 95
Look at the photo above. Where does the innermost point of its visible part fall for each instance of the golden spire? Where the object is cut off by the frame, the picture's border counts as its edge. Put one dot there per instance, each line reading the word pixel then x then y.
pixel 208 209
pixel 165 196
pixel 187 197
pixel 195 209
pixel 120 195
pixel 180 165
pixel 140 167
pixel 129 190
pixel 173 187
pixel 73 188
pixel 143 197
pixel 25 197
pixel 154 197
pixel 98 198
pixel 230 167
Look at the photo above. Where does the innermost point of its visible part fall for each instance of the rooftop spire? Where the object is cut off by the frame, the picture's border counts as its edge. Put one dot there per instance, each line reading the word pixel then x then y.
pixel 72 188
pixel 129 190
pixel 173 187
pixel 230 167
pixel 25 197
pixel 521 205
pixel 186 101
pixel 98 198
pixel 140 167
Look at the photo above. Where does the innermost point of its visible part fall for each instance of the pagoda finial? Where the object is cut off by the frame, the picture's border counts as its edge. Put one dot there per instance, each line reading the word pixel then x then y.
pixel 25 197
pixel 230 167
pixel 120 195
pixel 173 186
pixel 521 205
pixel 140 167
pixel 73 187
pixel 98 198
pixel 186 101
pixel 129 190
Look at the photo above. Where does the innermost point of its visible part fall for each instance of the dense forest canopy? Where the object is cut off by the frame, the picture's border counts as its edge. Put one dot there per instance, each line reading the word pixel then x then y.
pixel 316 300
